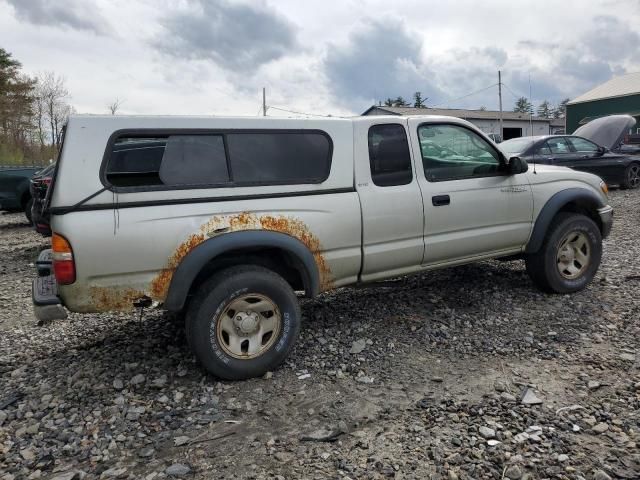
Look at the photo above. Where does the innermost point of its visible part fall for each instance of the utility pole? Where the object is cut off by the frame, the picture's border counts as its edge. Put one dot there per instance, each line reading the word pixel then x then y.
pixel 500 100
pixel 264 102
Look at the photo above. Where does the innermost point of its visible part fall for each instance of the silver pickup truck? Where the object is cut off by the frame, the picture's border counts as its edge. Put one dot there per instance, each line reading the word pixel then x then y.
pixel 231 219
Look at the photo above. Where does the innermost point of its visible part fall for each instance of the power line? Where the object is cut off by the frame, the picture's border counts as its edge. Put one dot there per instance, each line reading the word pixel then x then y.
pixel 465 96
pixel 303 113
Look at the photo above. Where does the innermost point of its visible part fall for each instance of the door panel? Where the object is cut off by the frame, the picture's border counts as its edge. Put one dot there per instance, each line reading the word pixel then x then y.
pixel 392 215
pixel 484 212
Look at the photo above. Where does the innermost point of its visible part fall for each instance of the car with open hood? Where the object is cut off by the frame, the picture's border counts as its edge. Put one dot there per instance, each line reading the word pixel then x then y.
pixel 594 148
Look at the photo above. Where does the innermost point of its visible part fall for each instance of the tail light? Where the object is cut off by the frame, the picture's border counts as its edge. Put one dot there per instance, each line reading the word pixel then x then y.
pixel 64 266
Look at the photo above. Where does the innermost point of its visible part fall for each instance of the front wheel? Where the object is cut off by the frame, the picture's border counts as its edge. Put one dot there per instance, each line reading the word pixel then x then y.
pixel 569 256
pixel 631 176
pixel 243 322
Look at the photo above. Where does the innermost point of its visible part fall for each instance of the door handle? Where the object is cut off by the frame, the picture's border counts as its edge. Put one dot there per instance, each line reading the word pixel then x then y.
pixel 440 200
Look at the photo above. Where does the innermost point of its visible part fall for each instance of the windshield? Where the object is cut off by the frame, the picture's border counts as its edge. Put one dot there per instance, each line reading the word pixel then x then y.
pixel 516 145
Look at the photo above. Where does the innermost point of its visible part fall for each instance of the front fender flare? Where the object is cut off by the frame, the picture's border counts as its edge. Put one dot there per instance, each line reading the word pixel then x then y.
pixel 581 196
pixel 192 264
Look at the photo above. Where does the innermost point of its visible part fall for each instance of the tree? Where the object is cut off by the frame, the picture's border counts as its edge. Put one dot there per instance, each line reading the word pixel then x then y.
pixel 388 102
pixel 400 102
pixel 16 108
pixel 418 101
pixel 483 108
pixel 545 110
pixel 114 106
pixel 561 110
pixel 523 106
pixel 53 95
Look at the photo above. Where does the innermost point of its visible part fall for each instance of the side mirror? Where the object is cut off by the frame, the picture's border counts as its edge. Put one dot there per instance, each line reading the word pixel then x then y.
pixel 516 165
pixel 601 150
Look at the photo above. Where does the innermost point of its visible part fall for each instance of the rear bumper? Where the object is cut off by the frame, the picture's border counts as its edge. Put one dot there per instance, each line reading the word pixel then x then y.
pixel 47 305
pixel 606 217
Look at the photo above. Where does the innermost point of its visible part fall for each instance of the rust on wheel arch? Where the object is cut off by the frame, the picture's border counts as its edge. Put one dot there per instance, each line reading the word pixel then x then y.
pixel 221 224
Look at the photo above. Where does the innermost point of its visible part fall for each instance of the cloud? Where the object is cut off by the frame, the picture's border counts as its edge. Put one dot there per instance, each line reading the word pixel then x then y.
pixel 74 14
pixel 379 60
pixel 238 37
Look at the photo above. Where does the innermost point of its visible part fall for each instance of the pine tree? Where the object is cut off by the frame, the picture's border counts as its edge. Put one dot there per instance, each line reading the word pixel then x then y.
pixel 545 110
pixel 388 102
pixel 523 106
pixel 418 101
pixel 400 102
pixel 561 110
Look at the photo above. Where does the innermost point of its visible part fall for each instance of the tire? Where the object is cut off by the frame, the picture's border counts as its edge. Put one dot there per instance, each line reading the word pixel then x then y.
pixel 631 177
pixel 552 269
pixel 27 209
pixel 242 322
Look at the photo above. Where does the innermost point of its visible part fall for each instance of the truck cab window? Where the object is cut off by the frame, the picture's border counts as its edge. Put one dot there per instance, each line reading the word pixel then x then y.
pixel 451 152
pixel 389 156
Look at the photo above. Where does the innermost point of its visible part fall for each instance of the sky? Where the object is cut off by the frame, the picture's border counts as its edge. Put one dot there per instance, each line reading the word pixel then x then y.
pixel 331 57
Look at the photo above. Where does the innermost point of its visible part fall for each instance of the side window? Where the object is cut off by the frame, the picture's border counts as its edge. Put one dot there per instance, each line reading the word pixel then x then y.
pixel 171 160
pixel 543 149
pixel 389 156
pixel 225 159
pixel 558 145
pixel 583 146
pixel 271 158
pixel 452 152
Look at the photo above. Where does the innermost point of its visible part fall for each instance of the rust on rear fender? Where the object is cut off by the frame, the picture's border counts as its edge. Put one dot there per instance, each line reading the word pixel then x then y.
pixel 106 299
pixel 221 224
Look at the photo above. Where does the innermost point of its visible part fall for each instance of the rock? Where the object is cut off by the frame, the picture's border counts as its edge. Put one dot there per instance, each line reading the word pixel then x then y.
pixel 365 379
pixel 358 346
pixel 528 397
pixel 137 380
pixel 629 357
pixel 3 417
pixel 514 472
pixel 600 428
pixel 455 459
pixel 593 385
pixel 181 440
pixel 118 384
pixel 493 443
pixel 178 395
pixel 563 458
pixel 268 376
pixel 507 397
pixel 146 452
pixel 114 472
pixel 487 432
pixel 500 386
pixel 452 475
pixel 70 475
pixel 178 470
pixel 28 454
pixel 283 456
pixel 437 379
pixel 521 437
pixel 600 475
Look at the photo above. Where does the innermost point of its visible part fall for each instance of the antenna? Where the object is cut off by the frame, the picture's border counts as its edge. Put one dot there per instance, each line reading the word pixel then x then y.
pixel 531 124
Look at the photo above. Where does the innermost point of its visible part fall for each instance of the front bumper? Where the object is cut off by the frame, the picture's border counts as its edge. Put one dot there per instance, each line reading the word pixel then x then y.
pixel 606 217
pixel 44 291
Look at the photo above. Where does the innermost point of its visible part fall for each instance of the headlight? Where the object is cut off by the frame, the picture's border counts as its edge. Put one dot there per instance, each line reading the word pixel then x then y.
pixel 604 188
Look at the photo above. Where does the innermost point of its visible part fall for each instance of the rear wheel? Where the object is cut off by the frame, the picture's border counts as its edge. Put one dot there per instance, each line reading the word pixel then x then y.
pixel 243 322
pixel 569 257
pixel 631 176
pixel 27 209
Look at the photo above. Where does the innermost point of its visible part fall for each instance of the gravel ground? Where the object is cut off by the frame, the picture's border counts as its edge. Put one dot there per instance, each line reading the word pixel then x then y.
pixel 457 374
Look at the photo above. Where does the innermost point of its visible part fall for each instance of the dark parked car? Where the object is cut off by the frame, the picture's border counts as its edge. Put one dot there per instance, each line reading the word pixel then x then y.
pixel 594 147
pixel 14 189
pixel 38 187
